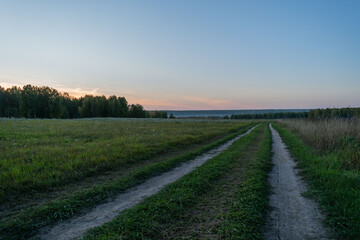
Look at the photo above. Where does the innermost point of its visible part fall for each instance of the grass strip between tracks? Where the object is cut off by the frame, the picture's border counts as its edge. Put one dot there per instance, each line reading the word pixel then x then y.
pixel 235 206
pixel 246 216
pixel 337 190
pixel 149 219
pixel 27 223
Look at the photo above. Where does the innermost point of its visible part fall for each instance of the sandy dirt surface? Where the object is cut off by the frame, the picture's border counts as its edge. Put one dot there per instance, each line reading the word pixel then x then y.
pixel 107 211
pixel 292 216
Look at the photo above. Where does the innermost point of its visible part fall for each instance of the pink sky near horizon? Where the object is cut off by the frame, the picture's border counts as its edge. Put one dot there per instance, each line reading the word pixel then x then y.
pixel 187 102
pixel 165 102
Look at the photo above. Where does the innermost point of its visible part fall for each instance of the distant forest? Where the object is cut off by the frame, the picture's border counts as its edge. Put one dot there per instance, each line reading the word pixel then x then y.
pixel 45 102
pixel 313 114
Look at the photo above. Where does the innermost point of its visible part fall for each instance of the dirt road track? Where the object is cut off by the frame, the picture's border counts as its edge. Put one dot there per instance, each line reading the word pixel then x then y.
pixel 107 211
pixel 293 216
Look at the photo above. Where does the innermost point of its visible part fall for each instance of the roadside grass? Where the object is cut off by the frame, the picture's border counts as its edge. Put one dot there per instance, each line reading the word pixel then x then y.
pixel 39 155
pixel 336 188
pixel 151 218
pixel 27 223
pixel 341 136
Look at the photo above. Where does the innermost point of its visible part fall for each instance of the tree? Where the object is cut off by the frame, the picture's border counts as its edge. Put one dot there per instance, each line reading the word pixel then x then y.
pixel 28 102
pixel 123 107
pixel 87 108
pixel 158 114
pixel 46 102
pixel 136 111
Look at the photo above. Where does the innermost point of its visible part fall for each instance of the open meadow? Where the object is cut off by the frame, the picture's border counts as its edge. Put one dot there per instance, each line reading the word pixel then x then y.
pixel 58 177
pixel 51 169
pixel 38 155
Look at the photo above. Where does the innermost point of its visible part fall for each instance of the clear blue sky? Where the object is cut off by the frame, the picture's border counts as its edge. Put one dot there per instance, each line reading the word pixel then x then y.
pixel 187 54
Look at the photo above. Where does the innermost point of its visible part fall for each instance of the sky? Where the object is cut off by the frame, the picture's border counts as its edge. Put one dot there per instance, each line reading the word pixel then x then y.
pixel 187 54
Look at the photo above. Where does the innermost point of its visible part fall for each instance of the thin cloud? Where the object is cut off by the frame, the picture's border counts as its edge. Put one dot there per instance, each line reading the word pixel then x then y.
pixel 10 81
pixel 211 102
pixel 78 92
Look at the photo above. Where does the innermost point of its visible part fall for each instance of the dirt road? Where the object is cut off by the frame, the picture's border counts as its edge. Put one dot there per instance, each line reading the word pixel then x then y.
pixel 107 211
pixel 293 216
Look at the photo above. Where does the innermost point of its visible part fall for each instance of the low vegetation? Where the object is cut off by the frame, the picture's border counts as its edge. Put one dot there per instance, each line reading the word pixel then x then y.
pixel 52 170
pixel 25 223
pixel 159 114
pixel 42 154
pixel 328 154
pixel 245 218
pixel 340 136
pixel 154 218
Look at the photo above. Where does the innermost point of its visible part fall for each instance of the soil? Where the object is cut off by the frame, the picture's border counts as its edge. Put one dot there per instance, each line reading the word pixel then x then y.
pixel 292 216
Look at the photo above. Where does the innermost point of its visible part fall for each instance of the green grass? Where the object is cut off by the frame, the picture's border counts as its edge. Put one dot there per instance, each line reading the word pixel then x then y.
pixel 29 221
pixel 336 188
pixel 235 205
pixel 245 218
pixel 149 219
pixel 38 155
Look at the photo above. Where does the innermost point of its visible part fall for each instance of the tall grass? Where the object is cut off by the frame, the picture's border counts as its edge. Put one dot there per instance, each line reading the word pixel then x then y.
pixel 341 136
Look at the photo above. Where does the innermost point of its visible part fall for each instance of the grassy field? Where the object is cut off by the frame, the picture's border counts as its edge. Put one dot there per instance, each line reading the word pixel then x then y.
pixel 41 154
pixel 328 154
pixel 53 170
pixel 163 144
pixel 225 198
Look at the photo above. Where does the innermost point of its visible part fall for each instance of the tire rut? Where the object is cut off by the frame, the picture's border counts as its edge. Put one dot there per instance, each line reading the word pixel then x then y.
pixel 292 216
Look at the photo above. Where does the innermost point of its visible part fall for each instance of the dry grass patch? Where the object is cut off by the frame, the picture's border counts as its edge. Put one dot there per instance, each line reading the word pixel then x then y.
pixel 340 136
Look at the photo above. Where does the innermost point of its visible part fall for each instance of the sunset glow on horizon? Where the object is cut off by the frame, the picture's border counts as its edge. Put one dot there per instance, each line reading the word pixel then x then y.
pixel 187 55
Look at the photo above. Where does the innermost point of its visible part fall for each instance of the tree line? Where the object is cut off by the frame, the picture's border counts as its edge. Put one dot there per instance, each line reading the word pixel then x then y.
pixel 45 102
pixel 279 115
pixel 334 113
pixel 314 114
